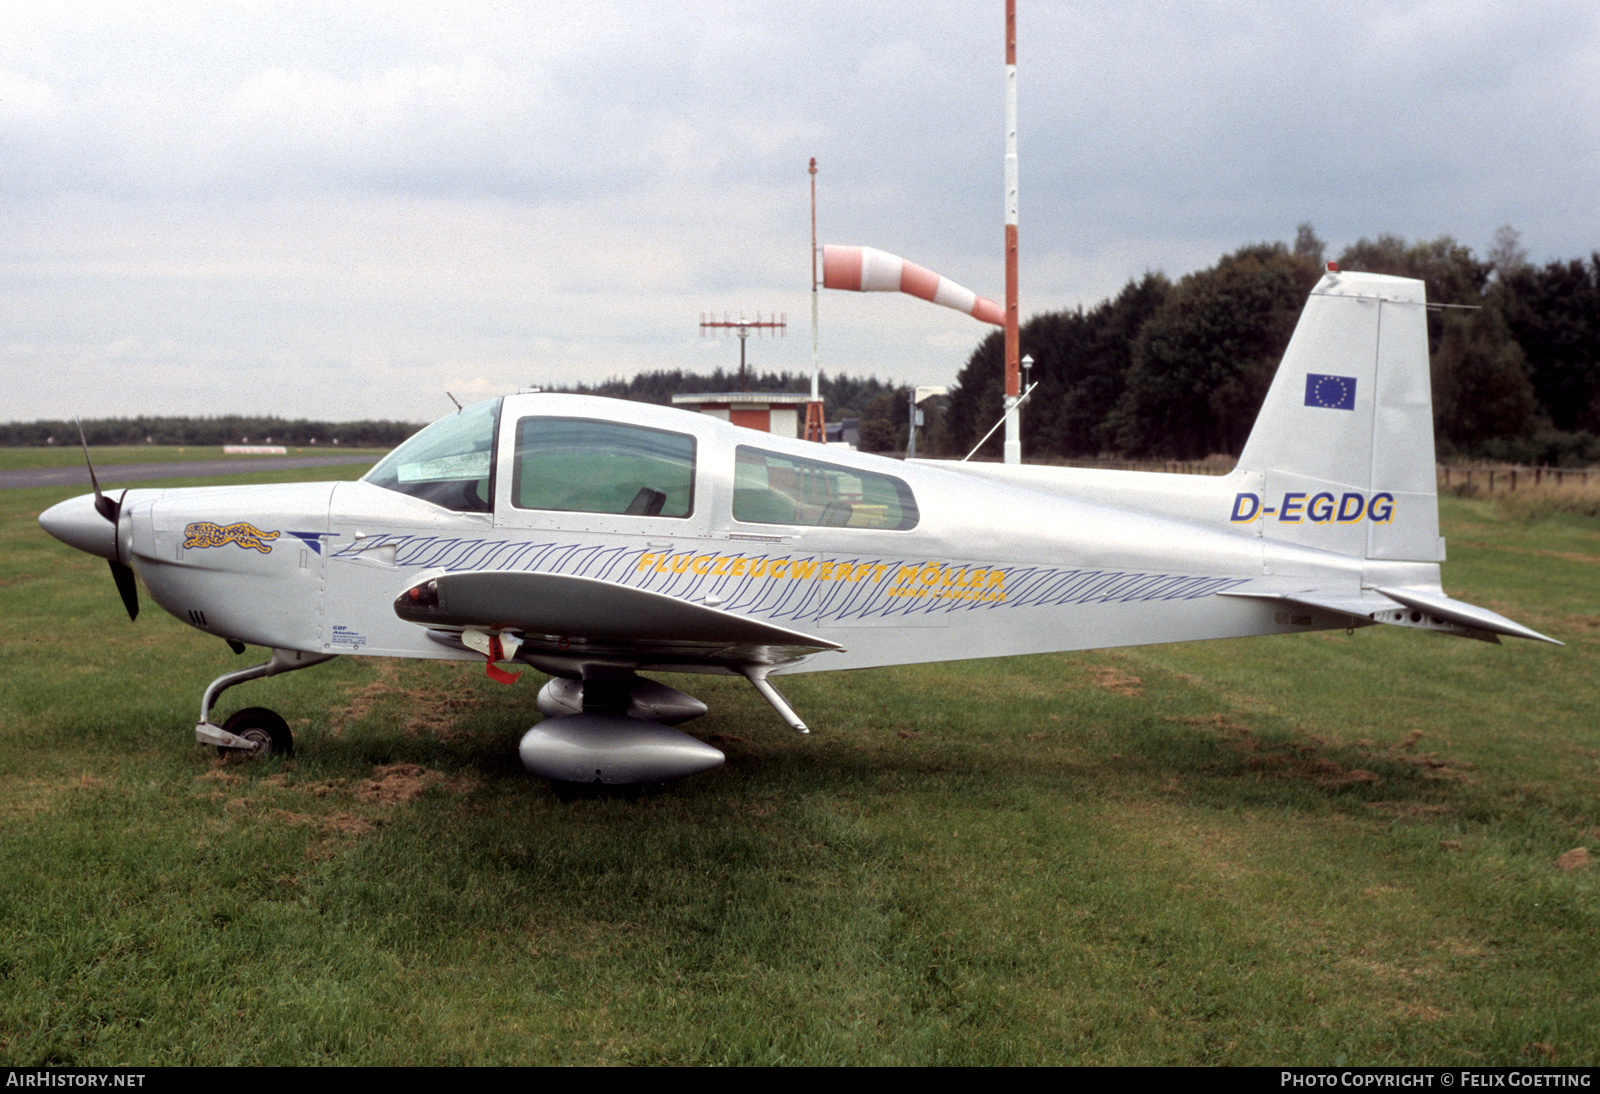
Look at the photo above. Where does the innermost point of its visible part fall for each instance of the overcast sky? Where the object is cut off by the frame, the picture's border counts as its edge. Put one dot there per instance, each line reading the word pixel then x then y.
pixel 342 211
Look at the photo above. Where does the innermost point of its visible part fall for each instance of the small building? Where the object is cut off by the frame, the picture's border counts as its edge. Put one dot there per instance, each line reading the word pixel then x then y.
pixel 846 431
pixel 776 412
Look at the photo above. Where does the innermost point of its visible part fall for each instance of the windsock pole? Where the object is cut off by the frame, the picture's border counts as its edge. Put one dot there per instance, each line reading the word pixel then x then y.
pixel 816 424
pixel 813 170
pixel 1013 441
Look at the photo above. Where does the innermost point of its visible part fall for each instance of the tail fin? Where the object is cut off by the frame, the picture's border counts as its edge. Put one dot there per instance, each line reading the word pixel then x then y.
pixel 1344 441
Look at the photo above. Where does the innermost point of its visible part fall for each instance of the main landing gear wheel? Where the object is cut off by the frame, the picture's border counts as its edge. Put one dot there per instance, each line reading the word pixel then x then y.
pixel 264 727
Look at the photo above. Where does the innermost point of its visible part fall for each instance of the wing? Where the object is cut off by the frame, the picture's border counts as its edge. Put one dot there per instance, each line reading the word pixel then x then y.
pixel 562 617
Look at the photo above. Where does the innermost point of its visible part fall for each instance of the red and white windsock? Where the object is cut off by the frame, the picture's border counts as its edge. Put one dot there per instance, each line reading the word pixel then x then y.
pixel 867 269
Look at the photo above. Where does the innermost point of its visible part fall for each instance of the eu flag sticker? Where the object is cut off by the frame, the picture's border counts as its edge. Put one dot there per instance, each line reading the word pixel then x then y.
pixel 1330 392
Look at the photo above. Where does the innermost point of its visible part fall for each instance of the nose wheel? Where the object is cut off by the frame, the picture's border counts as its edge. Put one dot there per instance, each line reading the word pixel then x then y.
pixel 263 728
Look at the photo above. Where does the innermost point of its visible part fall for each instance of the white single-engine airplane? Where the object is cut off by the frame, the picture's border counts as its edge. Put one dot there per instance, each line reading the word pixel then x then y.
pixel 595 539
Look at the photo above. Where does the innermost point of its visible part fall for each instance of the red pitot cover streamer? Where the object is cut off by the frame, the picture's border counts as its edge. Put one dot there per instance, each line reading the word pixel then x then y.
pixel 495 672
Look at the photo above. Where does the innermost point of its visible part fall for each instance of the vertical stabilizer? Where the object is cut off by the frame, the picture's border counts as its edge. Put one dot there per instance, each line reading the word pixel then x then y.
pixel 1344 441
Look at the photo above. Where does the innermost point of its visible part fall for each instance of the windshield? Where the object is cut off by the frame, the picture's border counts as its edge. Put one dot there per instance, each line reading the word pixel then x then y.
pixel 450 463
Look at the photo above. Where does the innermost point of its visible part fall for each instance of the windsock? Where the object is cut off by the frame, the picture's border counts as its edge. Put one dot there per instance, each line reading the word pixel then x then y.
pixel 867 269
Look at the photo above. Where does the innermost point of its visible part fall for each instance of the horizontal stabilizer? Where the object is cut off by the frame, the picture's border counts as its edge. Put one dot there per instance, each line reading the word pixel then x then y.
pixel 1468 615
pixel 566 606
pixel 1402 607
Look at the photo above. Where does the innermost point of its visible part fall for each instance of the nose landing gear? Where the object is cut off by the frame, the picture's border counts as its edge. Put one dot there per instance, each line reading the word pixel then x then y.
pixel 253 729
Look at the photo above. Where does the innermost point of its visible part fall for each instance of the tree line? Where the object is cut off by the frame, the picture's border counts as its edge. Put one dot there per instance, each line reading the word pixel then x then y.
pixel 843 396
pixel 203 432
pixel 1178 370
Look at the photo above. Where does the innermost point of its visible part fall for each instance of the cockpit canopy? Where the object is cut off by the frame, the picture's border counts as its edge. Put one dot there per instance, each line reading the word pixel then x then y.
pixel 580 464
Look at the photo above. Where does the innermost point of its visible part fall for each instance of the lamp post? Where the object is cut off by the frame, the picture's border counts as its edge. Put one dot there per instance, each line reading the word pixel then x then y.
pixel 918 395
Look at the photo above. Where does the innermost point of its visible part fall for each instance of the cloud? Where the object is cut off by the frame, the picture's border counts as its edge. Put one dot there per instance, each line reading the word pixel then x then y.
pixel 291 207
pixel 26 103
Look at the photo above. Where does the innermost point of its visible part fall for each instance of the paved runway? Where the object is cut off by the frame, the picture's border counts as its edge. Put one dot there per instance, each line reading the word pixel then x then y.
pixel 78 474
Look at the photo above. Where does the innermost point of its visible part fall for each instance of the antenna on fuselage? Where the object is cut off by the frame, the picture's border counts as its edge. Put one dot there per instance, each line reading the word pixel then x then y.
pixel 456 401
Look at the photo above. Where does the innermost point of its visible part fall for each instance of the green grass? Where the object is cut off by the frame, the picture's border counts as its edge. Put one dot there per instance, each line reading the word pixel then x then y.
pixel 71 455
pixel 1315 849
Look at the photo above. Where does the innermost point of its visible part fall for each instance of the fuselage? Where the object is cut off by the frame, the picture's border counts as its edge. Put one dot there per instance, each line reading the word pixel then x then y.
pixel 897 562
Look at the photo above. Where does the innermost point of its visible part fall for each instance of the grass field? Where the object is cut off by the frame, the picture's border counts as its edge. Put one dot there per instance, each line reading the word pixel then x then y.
pixel 1315 849
pixel 71 455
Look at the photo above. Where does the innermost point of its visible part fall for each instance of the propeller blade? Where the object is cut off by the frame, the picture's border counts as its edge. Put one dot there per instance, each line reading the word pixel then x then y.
pixel 103 505
pixel 122 574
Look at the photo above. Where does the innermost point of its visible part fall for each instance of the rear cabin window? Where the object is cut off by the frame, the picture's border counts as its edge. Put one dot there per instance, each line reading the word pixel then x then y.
pixel 450 463
pixel 769 488
pixel 577 465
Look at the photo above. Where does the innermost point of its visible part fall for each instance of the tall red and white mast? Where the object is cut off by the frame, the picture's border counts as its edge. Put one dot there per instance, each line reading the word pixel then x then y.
pixel 1013 441
pixel 816 428
pixel 813 171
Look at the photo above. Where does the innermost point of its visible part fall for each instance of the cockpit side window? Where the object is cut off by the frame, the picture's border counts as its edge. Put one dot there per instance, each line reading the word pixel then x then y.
pixel 580 465
pixel 450 463
pixel 770 488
